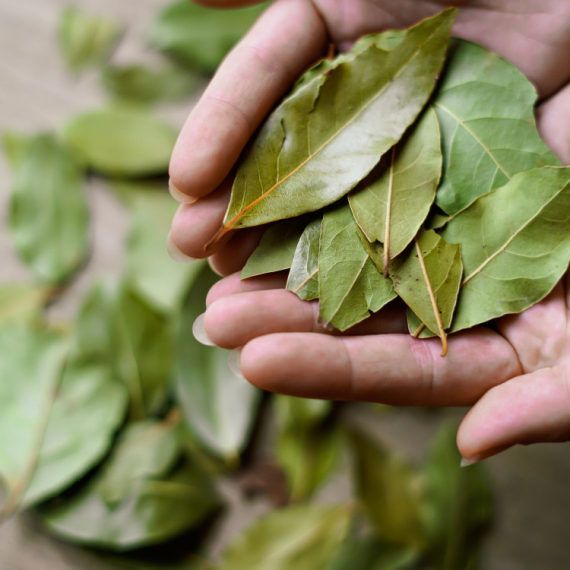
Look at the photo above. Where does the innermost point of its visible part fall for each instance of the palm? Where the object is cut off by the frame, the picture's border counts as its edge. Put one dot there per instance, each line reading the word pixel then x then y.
pixel 516 373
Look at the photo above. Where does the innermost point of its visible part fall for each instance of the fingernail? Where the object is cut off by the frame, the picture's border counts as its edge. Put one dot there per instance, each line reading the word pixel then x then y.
pixel 233 361
pixel 179 196
pixel 475 459
pixel 199 331
pixel 174 251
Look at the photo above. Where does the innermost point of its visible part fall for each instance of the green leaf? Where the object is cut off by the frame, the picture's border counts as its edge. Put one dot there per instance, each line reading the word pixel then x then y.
pixel 389 491
pixel 86 41
pixel 219 407
pixel 428 280
pixel 485 107
pixel 48 215
pixel 15 146
pixel 515 245
pixel 458 504
pixel 21 302
pixel 323 140
pixel 303 278
pixel 140 496
pixel 349 283
pixel 276 250
pixel 296 537
pixel 117 328
pixel 121 141
pixel 201 37
pixel 307 447
pixel 393 202
pixel 140 84
pixel 150 270
pixel 58 417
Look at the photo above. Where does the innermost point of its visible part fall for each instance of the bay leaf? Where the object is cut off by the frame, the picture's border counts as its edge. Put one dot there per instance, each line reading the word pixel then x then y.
pixel 149 269
pixel 119 329
pixel 15 145
pixel 58 418
pixel 320 142
pixel 485 106
pixel 48 216
pixel 277 247
pixel 515 245
pixel 141 84
pixel 140 496
pixel 219 407
pixel 303 279
pixel 198 36
pixel 121 141
pixel 428 280
pixel 458 504
pixel 393 202
pixel 350 285
pixel 389 492
pixel 86 40
pixel 307 446
pixel 21 302
pixel 302 536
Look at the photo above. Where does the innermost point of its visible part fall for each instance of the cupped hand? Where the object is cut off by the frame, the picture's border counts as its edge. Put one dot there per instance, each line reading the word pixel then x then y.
pixel 517 375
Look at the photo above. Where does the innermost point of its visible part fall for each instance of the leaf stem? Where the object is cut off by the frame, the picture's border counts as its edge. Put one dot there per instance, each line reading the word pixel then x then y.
pixel 386 259
pixel 442 334
pixel 419 330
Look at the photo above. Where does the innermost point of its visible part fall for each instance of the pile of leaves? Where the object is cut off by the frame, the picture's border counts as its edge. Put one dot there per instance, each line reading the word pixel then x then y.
pixel 118 428
pixel 411 167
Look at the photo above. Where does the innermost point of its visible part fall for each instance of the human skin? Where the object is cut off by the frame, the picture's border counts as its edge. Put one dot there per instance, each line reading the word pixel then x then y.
pixel 516 376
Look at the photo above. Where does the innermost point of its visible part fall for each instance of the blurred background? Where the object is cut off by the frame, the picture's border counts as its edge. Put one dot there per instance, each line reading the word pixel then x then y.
pixel 126 444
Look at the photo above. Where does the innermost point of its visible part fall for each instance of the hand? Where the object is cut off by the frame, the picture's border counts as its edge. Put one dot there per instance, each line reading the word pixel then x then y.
pixel 517 376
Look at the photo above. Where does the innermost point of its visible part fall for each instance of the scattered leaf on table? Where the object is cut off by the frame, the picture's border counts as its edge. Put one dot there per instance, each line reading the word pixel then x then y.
pixel 320 142
pixel 391 204
pixel 458 504
pixel 21 302
pixel 140 495
pixel 390 493
pixel 276 250
pixel 350 285
pixel 58 417
pixel 121 141
pixel 118 328
pixel 307 446
pixel 150 271
pixel 515 245
pixel 198 36
pixel 48 215
pixel 485 106
pixel 218 405
pixel 427 278
pixel 303 277
pixel 140 84
pixel 306 536
pixel 85 40
pixel 15 146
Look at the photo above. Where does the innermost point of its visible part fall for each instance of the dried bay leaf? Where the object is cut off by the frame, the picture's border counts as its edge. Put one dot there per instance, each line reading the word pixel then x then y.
pixel 276 250
pixel 48 216
pixel 121 141
pixel 515 245
pixel 219 407
pixel 303 278
pixel 302 536
pixel 350 285
pixel 141 495
pixel 198 36
pixel 486 111
pixel 302 160
pixel 393 202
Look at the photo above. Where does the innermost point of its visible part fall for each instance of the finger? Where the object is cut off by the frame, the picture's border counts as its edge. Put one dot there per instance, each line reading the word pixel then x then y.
pixel 227 3
pixel 528 409
pixel 257 72
pixel 554 124
pixel 233 256
pixel 233 284
pixel 233 321
pixel 391 369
